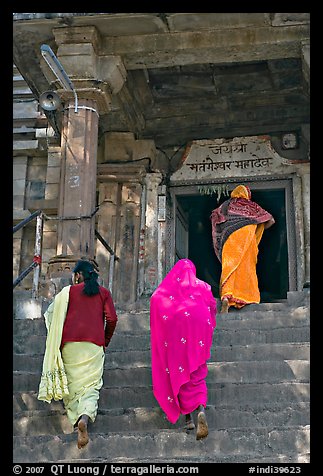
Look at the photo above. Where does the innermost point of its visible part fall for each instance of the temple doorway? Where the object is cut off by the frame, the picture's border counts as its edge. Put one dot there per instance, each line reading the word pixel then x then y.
pixel 193 239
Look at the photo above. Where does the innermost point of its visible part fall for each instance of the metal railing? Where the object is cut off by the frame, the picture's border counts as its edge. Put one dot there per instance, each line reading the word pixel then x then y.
pixel 39 215
pixel 36 263
pixel 112 258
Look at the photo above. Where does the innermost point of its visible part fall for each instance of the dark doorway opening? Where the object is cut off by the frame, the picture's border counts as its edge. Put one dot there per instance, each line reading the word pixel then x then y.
pixel 272 266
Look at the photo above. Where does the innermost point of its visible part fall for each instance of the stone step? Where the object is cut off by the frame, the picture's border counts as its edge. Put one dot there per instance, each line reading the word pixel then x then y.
pixel 258 394
pixel 34 344
pixel 277 306
pixel 55 422
pixel 201 462
pixel 142 358
pixel 153 464
pixel 276 335
pixel 234 393
pixel 143 307
pixel 139 323
pixel 265 351
pixel 165 445
pixel 242 372
pixel 263 321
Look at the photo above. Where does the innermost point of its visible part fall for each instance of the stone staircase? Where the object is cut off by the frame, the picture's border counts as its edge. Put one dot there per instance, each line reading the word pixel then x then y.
pixel 258 406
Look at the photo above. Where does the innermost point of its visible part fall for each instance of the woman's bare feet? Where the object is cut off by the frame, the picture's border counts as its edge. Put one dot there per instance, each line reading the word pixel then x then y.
pixel 202 427
pixel 225 306
pixel 189 423
pixel 82 434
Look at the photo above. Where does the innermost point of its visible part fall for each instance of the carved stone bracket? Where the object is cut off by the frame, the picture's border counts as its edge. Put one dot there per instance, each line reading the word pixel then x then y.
pixel 93 77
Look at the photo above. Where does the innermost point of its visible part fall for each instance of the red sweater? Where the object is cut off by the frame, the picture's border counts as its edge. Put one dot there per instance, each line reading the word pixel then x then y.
pixel 86 317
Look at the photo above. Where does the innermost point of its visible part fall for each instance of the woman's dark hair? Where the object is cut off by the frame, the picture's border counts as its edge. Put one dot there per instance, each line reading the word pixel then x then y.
pixel 91 285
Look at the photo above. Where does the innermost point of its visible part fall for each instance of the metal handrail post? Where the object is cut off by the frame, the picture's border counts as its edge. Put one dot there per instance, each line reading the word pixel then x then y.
pixel 38 249
pixel 111 268
pixel 113 257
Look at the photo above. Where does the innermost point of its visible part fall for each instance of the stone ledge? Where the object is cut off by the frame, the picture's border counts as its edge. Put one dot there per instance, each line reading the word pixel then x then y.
pixel 299 298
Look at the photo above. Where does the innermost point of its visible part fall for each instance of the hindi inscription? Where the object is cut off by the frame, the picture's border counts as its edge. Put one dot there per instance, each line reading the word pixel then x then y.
pixel 245 156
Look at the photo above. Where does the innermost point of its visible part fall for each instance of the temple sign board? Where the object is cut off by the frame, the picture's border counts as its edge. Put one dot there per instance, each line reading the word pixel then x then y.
pixel 221 158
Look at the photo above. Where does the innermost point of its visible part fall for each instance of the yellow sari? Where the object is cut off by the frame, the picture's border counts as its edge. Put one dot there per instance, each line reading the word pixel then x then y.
pixel 239 282
pixel 84 364
pixel 73 374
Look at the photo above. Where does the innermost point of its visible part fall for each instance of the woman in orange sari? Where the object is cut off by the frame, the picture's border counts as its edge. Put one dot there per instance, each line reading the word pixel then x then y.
pixel 237 228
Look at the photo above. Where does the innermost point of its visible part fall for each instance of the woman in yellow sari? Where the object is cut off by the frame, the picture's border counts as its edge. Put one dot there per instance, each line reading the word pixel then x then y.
pixel 237 228
pixel 80 323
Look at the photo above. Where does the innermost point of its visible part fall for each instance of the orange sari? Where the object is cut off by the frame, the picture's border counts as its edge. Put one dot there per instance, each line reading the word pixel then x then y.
pixel 237 228
pixel 239 282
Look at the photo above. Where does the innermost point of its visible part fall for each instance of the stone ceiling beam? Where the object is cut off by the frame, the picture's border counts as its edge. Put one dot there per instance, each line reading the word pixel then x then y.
pixel 218 46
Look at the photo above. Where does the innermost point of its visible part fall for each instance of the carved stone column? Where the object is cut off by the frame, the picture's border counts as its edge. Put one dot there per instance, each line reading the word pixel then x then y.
pixel 76 207
pixel 151 233
pixel 94 81
pixel 77 190
pixel 307 234
pixel 122 214
pixel 306 177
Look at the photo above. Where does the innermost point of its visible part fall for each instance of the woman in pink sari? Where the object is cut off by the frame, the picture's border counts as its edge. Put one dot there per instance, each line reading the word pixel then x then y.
pixel 182 323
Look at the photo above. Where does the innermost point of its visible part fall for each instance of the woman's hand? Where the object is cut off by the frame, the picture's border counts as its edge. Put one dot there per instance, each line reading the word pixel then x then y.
pixel 269 223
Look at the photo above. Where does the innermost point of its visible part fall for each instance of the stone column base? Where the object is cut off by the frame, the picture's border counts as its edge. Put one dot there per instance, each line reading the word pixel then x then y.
pixel 59 272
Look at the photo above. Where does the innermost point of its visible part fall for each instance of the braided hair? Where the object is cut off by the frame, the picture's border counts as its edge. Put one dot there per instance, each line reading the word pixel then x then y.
pixel 91 285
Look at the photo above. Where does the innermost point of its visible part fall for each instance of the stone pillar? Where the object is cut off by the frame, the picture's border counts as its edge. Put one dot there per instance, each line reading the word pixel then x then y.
pixel 118 224
pixel 151 233
pixel 306 214
pixel 128 220
pixel 122 214
pixel 77 196
pixel 142 232
pixel 53 173
pixel 161 233
pixel 95 81
pixel 107 224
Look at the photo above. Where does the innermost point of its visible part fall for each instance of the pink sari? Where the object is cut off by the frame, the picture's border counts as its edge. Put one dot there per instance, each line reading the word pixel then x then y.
pixel 182 322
